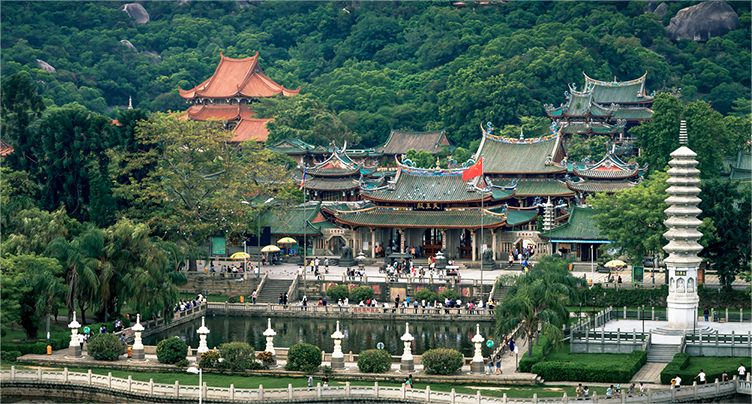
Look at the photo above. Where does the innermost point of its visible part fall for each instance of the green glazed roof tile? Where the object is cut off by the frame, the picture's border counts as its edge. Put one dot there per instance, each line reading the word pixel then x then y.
pixel 579 226
pixel 501 157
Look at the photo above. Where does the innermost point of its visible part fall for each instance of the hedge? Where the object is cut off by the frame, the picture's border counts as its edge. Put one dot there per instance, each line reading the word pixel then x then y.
pixel 734 299
pixel 337 292
pixel 374 361
pixel 679 363
pixel 594 373
pixel 539 352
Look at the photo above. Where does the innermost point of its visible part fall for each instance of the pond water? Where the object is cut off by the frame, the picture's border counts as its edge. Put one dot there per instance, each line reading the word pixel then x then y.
pixel 360 335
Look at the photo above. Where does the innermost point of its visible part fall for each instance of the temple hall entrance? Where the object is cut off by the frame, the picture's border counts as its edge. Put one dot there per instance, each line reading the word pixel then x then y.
pixel 466 244
pixel 431 242
pixel 336 244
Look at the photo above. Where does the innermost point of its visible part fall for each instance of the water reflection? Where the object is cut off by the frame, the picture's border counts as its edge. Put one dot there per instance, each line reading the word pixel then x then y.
pixel 360 335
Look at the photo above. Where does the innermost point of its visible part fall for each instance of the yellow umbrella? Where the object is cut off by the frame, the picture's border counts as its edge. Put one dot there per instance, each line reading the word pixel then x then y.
pixel 615 263
pixel 287 240
pixel 270 248
pixel 240 256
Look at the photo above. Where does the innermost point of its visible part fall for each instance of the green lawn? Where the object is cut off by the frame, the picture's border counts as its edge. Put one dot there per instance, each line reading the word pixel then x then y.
pixel 252 382
pixel 714 366
pixel 563 355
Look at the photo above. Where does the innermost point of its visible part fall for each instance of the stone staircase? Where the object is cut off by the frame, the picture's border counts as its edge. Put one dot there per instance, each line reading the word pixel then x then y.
pixel 272 288
pixel 669 332
pixel 662 353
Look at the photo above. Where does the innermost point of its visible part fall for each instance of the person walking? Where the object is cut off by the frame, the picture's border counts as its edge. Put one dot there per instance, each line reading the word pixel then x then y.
pixel 706 314
pixel 498 364
pixel 489 369
pixel 701 376
pixel 580 391
pixel 253 296
pixel 742 372
pixel 310 382
pixel 677 382
pixel 511 347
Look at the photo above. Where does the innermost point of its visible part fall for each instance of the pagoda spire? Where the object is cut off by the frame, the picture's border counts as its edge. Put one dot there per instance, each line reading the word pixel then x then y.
pixel 130 102
pixel 683 236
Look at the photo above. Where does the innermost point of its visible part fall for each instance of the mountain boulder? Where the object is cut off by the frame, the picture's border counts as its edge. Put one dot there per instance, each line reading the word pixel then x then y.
pixel 661 10
pixel 129 44
pixel 45 66
pixel 136 11
pixel 703 21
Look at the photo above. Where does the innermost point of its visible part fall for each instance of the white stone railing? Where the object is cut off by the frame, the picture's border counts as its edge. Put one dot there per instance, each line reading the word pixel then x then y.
pixel 318 393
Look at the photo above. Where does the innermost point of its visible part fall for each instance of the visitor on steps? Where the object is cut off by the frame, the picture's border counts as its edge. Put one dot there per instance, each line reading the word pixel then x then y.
pixel 489 369
pixel 498 364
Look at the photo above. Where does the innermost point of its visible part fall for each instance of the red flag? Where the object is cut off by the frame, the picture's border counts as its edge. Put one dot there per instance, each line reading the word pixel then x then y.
pixel 473 171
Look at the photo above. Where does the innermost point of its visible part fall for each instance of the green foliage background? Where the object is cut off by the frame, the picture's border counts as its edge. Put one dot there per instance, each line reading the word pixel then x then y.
pixel 375 65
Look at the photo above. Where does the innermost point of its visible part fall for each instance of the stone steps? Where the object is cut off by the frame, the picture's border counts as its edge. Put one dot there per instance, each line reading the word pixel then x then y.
pixel 272 288
pixel 662 353
pixel 669 332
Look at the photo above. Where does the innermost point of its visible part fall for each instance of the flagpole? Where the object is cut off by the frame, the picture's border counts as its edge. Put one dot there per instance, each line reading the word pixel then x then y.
pixel 482 199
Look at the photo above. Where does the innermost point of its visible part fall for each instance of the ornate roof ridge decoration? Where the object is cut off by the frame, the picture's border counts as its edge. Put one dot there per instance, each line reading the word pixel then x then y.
pixel 407 166
pixel 351 165
pixel 591 82
pixel 244 71
pixel 508 140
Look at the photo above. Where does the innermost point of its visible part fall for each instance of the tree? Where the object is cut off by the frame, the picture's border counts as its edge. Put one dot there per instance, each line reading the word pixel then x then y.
pixel 19 107
pixel 726 243
pixel 538 301
pixel 659 137
pixel 633 219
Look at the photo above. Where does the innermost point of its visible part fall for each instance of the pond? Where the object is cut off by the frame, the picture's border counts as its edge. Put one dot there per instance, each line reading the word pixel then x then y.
pixel 360 335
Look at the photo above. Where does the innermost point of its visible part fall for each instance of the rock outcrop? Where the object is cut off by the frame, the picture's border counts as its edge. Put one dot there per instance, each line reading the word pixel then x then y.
pixel 661 10
pixel 45 66
pixel 703 21
pixel 137 12
pixel 128 44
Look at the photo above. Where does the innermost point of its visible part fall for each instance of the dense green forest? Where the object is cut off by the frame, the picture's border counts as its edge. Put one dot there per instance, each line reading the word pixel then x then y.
pixel 372 66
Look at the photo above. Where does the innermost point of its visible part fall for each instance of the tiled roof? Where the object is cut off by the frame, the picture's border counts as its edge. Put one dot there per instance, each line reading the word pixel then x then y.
pixel 624 92
pixel 605 173
pixel 288 221
pixel 580 226
pixel 600 186
pixel 537 188
pixel 519 216
pixel 402 218
pixel 400 142
pixel 502 157
pixel 237 77
pixel 412 186
pixel 251 129
pixel 633 113
pixel 332 172
pixel 499 193
pixel 610 166
pixel 297 146
pixel 578 105
pixel 5 149
pixel 326 184
pixel 741 169
pixel 224 112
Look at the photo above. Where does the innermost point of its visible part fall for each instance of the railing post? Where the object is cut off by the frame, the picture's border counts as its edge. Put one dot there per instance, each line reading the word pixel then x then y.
pixel 477 397
pixel 402 391
pixel 741 315
pixel 318 390
pixel 623 397
pixel 712 315
pixel 109 380
pixel 151 387
pixel 727 317
pixel 428 394
pixel 733 339
pixel 452 396
pixel 694 389
pixel 673 394
pixel 595 397
pixel 89 377
pixel 650 395
pixel 130 383
pixel 504 398
pixel 376 389
pixel 718 385
pixel 625 312
pixel 289 391
pixel 232 391
pixel 261 392
pixel 565 399
pixel 347 384
pixel 652 314
pixel 535 398
pixel 177 389
pixel 65 375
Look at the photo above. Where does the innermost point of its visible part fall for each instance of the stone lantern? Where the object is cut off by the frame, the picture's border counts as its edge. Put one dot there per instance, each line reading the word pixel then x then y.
pixel 360 258
pixel 477 365
pixel 406 365
pixel 74 348
pixel 338 359
pixel 202 331
pixel 138 346
pixel 269 334
pixel 440 260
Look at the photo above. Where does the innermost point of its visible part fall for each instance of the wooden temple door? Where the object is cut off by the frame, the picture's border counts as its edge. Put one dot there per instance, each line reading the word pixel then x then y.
pixel 431 242
pixel 466 244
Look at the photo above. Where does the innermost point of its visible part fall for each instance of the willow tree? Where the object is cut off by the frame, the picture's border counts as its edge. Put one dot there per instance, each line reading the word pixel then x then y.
pixel 198 179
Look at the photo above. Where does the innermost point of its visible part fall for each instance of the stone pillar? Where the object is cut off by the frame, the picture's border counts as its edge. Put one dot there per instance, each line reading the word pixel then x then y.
pixel 477 365
pixel 74 348
pixel 354 243
pixel 138 345
pixel 402 240
pixel 202 331
pixel 338 359
pixel 269 334
pixel 682 223
pixel 443 239
pixel 474 243
pixel 493 243
pixel 373 242
pixel 406 364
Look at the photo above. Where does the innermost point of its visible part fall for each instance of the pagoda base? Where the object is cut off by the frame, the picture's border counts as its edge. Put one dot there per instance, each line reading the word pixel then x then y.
pixel 74 350
pixel 338 363
pixel 407 365
pixel 477 367
pixel 138 354
pixel 682 312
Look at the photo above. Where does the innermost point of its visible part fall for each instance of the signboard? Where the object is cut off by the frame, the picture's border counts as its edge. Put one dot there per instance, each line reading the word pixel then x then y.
pixel 336 231
pixel 218 246
pixel 637 274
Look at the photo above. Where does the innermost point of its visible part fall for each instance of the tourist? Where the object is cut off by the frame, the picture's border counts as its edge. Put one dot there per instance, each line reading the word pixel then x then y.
pixel 511 260
pixel 346 302
pixel 677 382
pixel 284 301
pixel 586 392
pixel 706 314
pixel 580 391
pixel 310 382
pixel 122 340
pixel 253 296
pixel 724 376
pixel 619 280
pixel 742 371
pixel 305 302
pixel 489 369
pixel 642 388
pixel 701 375
pixel 498 364
pixel 631 390
pixel 511 346
pixel 407 383
pixel 325 382
pixel 610 392
pixel 81 341
pixel 326 265
pixel 412 383
pixel 281 298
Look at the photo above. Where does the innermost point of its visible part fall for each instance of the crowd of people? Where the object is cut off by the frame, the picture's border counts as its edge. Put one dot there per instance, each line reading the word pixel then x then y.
pixel 184 305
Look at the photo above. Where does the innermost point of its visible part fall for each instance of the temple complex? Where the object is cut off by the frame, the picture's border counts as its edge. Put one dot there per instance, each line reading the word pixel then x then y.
pixel 603 108
pixel 335 179
pixel 609 175
pixel 228 96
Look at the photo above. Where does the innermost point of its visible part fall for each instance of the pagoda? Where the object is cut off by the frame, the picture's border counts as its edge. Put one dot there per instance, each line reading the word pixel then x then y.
pixel 603 108
pixel 228 96
pixel 335 179
pixel 609 175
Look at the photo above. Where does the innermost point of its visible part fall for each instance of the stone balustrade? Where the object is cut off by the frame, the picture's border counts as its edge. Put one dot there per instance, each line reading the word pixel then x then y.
pixel 22 381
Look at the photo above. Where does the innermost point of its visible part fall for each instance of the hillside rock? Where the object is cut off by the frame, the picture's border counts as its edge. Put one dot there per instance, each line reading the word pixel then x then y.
pixel 136 11
pixel 128 44
pixel 652 4
pixel 661 10
pixel 703 21
pixel 45 66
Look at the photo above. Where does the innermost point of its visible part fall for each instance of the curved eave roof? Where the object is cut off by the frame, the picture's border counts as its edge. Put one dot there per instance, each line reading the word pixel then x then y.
pixel 403 218
pixel 223 112
pixel 508 156
pixel 251 129
pixel 600 186
pixel 424 185
pixel 618 92
pixel 400 142
pixel 609 174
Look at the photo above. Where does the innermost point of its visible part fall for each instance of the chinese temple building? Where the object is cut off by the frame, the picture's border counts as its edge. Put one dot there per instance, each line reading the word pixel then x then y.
pixel 603 108
pixel 578 237
pixel 322 236
pixel 739 167
pixel 400 142
pixel 335 179
pixel 609 175
pixel 229 93
pixel 303 153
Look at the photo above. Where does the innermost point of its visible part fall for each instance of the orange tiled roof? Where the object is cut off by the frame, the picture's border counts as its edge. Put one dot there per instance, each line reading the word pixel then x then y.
pixel 251 129
pixel 237 78
pixel 223 112
pixel 5 149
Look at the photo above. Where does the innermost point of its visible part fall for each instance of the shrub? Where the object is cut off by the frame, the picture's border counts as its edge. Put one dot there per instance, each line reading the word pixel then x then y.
pixel 442 361
pixel 265 357
pixel 593 372
pixel 338 292
pixel 425 294
pixel 10 356
pixel 40 348
pixel 208 360
pixel 126 322
pixel 304 357
pixel 361 293
pixel 679 363
pixel 374 361
pixel 105 347
pixel 450 294
pixel 171 350
pixel 539 352
pixel 236 356
pixel 183 363
pixel 231 299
